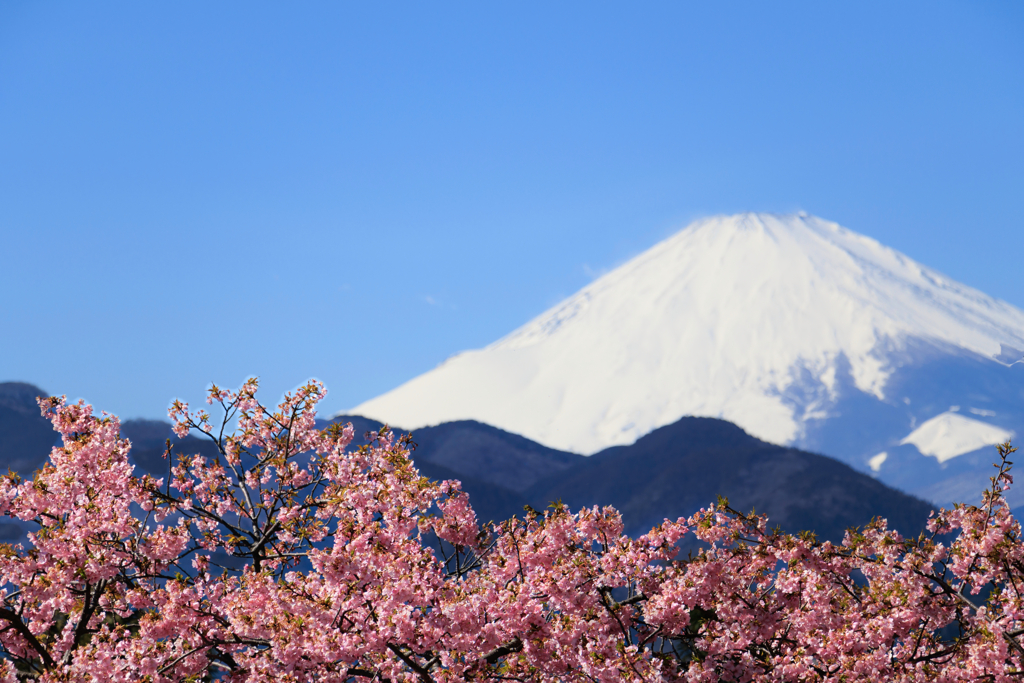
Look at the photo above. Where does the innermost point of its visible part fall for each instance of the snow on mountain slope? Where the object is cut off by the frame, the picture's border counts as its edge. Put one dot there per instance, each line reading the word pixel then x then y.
pixel 950 434
pixel 775 323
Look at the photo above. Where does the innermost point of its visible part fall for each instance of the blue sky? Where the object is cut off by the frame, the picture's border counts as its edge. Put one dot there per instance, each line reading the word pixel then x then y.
pixel 354 192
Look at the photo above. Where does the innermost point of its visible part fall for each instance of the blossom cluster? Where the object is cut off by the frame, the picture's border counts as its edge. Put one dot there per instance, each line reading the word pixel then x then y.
pixel 292 557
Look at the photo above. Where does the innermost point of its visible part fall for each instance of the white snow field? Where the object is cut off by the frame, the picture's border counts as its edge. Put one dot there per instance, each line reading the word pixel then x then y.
pixel 768 321
pixel 950 434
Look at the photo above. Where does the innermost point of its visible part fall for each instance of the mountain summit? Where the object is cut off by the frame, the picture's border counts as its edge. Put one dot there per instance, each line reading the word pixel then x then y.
pixel 800 331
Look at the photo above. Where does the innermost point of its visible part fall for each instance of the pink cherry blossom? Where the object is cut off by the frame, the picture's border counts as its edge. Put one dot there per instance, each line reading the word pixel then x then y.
pixel 291 557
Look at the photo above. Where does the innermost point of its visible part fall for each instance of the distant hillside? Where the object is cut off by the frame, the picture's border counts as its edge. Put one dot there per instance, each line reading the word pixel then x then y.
pixel 479 451
pixel 678 469
pixel 669 473
pixel 26 437
pixel 672 472
pixel 441 453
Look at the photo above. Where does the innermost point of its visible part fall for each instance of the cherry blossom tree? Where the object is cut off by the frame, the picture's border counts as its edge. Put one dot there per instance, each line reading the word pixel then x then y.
pixel 292 557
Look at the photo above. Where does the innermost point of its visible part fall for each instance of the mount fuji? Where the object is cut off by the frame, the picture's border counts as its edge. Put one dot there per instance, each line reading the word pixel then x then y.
pixel 800 331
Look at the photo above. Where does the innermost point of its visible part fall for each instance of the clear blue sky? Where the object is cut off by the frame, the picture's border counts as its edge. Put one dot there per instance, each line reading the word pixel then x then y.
pixel 355 191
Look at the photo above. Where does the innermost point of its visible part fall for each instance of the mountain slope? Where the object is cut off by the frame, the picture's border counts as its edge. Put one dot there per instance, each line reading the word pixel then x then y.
pixel 798 330
pixel 678 469
pixel 669 473
pixel 26 437
pixel 490 454
pixel 672 472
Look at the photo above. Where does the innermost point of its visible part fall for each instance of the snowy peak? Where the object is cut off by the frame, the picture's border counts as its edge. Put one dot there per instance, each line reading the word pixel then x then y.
pixel 767 321
pixel 728 265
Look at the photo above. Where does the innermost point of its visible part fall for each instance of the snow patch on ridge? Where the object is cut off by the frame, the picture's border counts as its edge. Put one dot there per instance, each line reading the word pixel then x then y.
pixel 950 434
pixel 875 461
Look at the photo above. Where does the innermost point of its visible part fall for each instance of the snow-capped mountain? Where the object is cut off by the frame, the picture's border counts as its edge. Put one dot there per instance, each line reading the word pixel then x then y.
pixel 798 330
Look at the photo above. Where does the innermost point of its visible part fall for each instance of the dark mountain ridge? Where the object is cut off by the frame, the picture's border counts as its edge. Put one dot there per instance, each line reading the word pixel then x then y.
pixel 25 435
pixel 678 469
pixel 671 472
